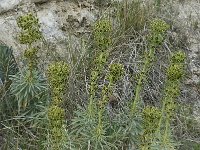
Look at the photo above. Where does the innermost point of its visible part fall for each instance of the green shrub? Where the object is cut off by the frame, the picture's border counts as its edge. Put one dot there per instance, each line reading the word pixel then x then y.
pixel 8 64
pixel 27 88
pixel 108 112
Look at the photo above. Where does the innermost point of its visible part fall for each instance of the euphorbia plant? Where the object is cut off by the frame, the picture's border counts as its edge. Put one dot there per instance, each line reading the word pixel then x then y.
pixel 116 72
pixel 102 38
pixel 30 33
pixel 175 73
pixel 156 37
pixel 58 76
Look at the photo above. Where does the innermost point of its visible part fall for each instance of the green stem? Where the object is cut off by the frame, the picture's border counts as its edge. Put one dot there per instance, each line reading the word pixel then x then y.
pixel 102 108
pixel 91 99
pixel 91 106
pixel 99 127
pixel 144 71
pixel 162 116
pixel 30 62
pixel 93 85
pixel 167 125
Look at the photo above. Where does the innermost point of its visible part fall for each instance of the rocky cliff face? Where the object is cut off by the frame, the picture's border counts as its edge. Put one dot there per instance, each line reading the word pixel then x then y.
pixel 64 19
pixel 189 21
pixel 57 18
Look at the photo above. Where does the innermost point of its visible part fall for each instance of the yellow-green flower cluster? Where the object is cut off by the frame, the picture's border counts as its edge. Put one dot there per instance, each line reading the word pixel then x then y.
pixel 176 68
pixel 56 115
pixel 116 71
pixel 30 29
pixel 175 72
pixel 100 61
pixel 159 26
pixel 56 121
pixel 28 21
pixel 178 57
pixel 31 55
pixel 158 29
pixel 172 88
pixel 30 33
pixel 102 34
pixel 28 37
pixel 151 116
pixel 58 73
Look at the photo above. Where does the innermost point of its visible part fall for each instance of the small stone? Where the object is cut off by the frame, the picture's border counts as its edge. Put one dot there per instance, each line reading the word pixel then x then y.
pixel 39 1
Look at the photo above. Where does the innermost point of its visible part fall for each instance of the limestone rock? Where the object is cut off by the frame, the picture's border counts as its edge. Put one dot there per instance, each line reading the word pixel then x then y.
pixel 6 5
pixel 8 33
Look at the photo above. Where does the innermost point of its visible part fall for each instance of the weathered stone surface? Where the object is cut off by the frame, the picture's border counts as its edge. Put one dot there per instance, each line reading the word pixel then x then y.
pixel 6 5
pixel 59 18
pixel 8 32
pixel 49 22
pixel 189 21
